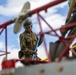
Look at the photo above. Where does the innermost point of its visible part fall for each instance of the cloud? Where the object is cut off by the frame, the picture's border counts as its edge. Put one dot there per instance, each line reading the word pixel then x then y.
pixel 55 21
pixel 1 45
pixel 41 52
pixel 13 7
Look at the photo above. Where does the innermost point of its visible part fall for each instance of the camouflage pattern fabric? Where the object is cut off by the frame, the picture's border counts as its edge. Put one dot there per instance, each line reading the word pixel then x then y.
pixel 27 44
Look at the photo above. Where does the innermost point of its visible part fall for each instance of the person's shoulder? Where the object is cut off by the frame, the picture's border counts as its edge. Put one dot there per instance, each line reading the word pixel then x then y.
pixel 22 34
pixel 33 33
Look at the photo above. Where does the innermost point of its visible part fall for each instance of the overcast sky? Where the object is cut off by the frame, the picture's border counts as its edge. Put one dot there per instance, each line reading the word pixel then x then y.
pixel 9 9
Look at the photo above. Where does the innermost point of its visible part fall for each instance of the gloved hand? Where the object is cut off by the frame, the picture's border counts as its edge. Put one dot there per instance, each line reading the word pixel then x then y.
pixel 42 35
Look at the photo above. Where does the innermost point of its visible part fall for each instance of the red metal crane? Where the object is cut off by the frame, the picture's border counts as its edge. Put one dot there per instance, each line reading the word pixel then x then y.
pixel 37 11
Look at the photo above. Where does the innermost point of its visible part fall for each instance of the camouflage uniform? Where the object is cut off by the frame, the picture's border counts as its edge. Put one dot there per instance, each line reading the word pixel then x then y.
pixel 28 42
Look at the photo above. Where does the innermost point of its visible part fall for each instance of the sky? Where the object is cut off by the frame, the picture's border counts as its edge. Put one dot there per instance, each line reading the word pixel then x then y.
pixel 10 9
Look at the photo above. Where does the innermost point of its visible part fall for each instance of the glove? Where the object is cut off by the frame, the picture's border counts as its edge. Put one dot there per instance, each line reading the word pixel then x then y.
pixel 42 36
pixel 20 54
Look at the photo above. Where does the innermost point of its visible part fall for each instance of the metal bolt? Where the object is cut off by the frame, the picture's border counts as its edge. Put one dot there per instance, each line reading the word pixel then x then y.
pixel 41 70
pixel 59 68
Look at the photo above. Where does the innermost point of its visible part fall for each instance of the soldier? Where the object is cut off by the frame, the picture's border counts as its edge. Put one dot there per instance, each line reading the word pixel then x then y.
pixel 28 40
pixel 59 47
pixel 72 30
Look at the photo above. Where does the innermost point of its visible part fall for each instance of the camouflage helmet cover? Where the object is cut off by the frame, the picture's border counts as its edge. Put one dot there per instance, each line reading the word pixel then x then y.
pixel 27 22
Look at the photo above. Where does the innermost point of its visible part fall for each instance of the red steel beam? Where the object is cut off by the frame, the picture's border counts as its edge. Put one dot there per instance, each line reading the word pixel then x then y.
pixel 4 25
pixel 47 6
pixel 35 11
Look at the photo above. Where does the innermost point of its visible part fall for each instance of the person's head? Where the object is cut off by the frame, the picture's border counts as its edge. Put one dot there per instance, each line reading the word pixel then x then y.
pixel 28 24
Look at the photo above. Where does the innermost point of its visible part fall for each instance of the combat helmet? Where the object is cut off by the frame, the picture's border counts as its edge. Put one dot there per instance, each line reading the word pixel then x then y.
pixel 27 23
